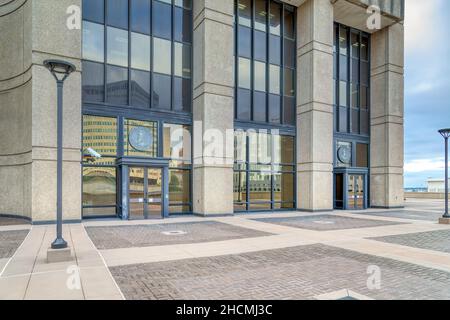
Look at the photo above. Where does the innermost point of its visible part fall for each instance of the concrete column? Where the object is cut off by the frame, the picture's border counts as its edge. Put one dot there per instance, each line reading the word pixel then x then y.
pixel 387 112
pixel 213 105
pixel 315 106
pixel 52 39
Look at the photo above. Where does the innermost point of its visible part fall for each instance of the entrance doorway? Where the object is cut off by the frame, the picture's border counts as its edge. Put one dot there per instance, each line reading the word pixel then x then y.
pixel 145 193
pixel 355 193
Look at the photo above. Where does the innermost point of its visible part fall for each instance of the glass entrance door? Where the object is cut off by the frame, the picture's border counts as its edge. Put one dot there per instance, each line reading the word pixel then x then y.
pixel 145 193
pixel 355 192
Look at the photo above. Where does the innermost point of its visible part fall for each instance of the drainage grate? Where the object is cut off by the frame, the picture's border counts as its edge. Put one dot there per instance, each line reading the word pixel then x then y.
pixel 174 233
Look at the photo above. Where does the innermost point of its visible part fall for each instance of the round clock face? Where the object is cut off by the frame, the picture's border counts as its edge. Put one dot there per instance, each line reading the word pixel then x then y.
pixel 141 139
pixel 344 154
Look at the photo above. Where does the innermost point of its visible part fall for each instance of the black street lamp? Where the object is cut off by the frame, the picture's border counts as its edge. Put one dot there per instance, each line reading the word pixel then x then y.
pixel 60 71
pixel 446 134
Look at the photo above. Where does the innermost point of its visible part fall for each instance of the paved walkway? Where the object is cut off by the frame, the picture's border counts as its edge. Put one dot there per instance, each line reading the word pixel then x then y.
pixel 254 256
pixel 27 275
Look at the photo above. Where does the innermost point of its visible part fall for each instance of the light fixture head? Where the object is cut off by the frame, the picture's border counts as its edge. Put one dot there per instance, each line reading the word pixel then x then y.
pixel 445 133
pixel 60 69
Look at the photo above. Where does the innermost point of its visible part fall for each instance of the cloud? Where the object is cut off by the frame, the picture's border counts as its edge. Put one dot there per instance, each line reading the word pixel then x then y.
pixel 425 165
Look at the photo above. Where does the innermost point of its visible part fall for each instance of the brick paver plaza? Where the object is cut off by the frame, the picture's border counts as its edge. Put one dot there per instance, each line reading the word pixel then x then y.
pixel 289 255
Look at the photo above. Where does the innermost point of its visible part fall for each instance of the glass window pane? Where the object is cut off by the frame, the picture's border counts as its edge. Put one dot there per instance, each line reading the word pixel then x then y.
pixel 364 73
pixel 289 53
pixel 259 107
pixel 177 142
pixel 343 41
pixel 284 149
pixel 260 186
pixel 260 42
pixel 117 85
pixel 162 20
pixel 275 18
pixel 93 81
pixel 343 67
pixel 274 109
pixel 99 186
pixel 355 70
pixel 117 52
pixel 364 98
pixel 93 41
pixel 289 84
pixel 140 51
pixel 182 94
pixel 182 25
pixel 140 89
pixel 362 155
pixel 99 137
pixel 117 13
pixel 245 41
pixel 275 49
pixel 365 48
pixel 289 24
pixel 244 73
pixel 240 187
pixel 289 114
pixel 179 186
pixel 94 10
pixel 182 63
pixel 243 104
pixel 355 121
pixel 364 122
pixel 187 4
pixel 162 56
pixel 274 79
pixel 343 119
pixel 162 91
pixel 355 45
pixel 240 146
pixel 245 12
pixel 354 95
pixel 99 212
pixel 140 16
pixel 283 187
pixel 140 138
pixel 260 76
pixel 260 15
pixel 343 95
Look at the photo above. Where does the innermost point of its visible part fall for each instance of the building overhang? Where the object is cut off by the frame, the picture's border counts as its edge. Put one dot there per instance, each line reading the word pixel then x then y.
pixel 354 13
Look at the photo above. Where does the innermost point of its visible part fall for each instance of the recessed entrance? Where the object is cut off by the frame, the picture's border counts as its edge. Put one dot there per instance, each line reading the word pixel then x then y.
pixel 355 192
pixel 145 193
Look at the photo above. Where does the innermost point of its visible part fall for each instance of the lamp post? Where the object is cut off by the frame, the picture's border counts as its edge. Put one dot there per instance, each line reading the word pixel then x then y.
pixel 446 134
pixel 60 71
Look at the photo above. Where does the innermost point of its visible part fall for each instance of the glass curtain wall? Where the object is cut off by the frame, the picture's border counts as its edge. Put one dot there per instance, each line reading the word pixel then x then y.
pixel 138 53
pixel 265 62
pixel 264 171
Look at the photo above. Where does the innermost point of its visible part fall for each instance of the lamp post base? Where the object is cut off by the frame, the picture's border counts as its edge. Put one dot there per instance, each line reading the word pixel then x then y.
pixel 59 255
pixel 444 220
pixel 59 244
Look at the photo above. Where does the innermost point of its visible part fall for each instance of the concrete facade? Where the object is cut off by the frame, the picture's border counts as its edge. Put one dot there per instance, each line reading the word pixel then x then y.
pixel 36 31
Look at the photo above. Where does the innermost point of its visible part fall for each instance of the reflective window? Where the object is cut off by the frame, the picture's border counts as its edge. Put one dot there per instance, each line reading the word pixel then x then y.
pixel 93 82
pixel 266 56
pixel 99 186
pixel 94 10
pixel 99 139
pixel 260 76
pixel 177 142
pixel 162 53
pixel 162 20
pixel 140 138
pixel 117 44
pixel 140 89
pixel 116 85
pixel 140 16
pixel 182 60
pixel 93 41
pixel 244 73
pixel 117 13
pixel 140 51
pixel 138 44
pixel 161 91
